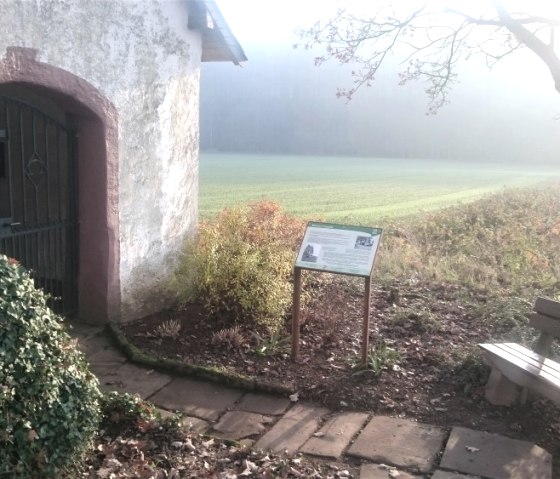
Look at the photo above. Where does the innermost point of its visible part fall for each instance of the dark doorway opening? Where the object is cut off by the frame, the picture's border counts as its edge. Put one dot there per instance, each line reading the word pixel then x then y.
pixel 38 197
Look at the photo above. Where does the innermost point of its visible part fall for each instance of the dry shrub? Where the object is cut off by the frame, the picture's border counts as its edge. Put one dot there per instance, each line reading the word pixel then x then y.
pixel 240 266
pixel 508 241
pixel 168 329
pixel 232 338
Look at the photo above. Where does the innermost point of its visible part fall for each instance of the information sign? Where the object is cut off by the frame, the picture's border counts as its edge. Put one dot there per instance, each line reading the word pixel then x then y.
pixel 339 248
pixel 336 249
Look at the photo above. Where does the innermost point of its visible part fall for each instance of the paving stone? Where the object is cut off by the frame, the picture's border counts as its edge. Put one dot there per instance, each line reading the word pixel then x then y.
pixel 450 475
pixel 264 404
pixel 335 435
pixel 196 398
pixel 241 424
pixel 133 379
pixel 399 442
pixel 100 349
pixel 293 429
pixel 196 424
pixel 495 457
pixel 380 471
pixel 82 331
pixel 247 443
pixel 190 423
pixel 105 371
pixel 94 343
pixel 104 356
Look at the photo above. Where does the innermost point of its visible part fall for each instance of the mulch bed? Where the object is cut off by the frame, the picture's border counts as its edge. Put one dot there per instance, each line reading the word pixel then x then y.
pixel 436 380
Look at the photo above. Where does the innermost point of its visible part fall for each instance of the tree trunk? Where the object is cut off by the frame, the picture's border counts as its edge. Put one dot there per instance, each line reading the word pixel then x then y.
pixel 545 52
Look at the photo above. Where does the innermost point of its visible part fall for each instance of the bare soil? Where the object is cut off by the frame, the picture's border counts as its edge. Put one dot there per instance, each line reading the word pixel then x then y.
pixel 438 378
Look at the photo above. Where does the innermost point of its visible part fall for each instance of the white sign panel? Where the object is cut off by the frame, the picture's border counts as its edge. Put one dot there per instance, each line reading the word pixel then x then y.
pixel 339 248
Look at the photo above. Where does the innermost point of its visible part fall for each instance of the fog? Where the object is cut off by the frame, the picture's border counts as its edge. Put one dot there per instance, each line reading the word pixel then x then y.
pixel 279 102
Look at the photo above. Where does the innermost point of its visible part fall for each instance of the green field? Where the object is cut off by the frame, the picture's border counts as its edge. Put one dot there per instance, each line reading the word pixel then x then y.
pixel 353 189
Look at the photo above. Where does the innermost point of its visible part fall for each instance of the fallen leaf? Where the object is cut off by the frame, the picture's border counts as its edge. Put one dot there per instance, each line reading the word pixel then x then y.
pixel 104 472
pixel 295 473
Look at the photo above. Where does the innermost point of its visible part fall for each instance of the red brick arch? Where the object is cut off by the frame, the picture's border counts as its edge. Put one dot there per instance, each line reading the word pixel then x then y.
pixel 95 120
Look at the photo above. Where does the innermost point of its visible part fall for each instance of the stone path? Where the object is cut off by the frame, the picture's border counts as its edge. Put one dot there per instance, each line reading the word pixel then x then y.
pixel 386 447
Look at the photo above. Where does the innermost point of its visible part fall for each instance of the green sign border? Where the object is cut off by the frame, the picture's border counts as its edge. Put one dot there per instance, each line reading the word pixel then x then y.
pixel 335 226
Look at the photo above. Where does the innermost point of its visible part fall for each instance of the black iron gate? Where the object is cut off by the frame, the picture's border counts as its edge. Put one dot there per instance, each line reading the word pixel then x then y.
pixel 38 200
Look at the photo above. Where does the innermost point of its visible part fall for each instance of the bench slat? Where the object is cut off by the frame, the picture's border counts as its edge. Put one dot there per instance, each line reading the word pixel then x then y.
pixel 548 307
pixel 522 358
pixel 513 364
pixel 536 358
pixel 526 380
pixel 546 324
pixel 525 374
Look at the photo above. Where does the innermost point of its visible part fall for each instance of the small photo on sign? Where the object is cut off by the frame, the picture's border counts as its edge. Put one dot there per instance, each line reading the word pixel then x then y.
pixel 311 253
pixel 364 242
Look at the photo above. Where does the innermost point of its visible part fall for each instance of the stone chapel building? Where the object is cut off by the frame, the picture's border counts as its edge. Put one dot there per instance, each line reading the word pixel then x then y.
pixel 99 134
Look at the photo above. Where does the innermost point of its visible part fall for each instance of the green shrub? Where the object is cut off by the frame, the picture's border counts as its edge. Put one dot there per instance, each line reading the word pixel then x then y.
pixel 124 413
pixel 120 407
pixel 421 319
pixel 507 318
pixel 240 265
pixel 49 407
pixel 380 358
pixel 464 368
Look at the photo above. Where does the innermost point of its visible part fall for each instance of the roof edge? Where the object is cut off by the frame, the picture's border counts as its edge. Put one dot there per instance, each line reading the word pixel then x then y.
pixel 218 41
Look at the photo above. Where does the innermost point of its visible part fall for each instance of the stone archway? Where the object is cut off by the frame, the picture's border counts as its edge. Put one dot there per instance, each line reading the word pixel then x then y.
pixel 94 119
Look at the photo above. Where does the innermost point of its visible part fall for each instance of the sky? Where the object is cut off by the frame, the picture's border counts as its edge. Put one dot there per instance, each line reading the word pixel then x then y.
pixel 517 97
pixel 275 22
pixel 272 21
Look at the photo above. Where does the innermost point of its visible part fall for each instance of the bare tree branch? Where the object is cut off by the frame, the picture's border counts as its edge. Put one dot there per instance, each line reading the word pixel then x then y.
pixel 521 18
pixel 535 44
pixel 433 42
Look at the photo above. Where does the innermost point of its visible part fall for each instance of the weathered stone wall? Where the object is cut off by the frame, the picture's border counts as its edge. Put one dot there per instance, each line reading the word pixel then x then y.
pixel 141 56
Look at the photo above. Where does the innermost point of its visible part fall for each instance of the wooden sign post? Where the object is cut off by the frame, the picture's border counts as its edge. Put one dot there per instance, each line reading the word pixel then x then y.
pixel 295 313
pixel 341 249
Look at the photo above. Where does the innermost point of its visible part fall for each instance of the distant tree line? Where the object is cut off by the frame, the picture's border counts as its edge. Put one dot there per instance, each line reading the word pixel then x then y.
pixel 280 103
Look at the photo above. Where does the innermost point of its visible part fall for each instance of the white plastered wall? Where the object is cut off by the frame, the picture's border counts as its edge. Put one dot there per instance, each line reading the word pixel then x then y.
pixel 142 57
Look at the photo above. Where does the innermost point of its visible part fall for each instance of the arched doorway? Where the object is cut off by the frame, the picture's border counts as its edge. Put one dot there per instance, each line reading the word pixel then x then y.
pixel 85 249
pixel 38 196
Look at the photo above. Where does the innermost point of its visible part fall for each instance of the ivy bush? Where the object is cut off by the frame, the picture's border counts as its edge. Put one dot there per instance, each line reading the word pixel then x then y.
pixel 240 266
pixel 49 401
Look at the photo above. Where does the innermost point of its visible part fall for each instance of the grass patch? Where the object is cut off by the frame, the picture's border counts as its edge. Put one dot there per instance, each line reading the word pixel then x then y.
pixel 353 190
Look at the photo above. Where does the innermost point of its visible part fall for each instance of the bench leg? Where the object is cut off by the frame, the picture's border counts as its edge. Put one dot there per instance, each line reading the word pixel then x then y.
pixel 524 396
pixel 500 391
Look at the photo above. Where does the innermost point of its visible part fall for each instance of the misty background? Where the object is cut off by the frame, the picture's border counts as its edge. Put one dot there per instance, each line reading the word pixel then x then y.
pixel 279 102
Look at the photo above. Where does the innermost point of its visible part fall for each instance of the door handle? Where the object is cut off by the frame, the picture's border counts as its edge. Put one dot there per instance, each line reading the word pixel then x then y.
pixel 11 225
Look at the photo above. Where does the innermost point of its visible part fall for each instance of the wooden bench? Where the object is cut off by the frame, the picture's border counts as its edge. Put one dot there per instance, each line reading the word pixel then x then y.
pixel 516 369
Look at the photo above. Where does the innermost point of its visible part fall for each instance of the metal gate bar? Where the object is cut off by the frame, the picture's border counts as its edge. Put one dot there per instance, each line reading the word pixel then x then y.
pixel 40 175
